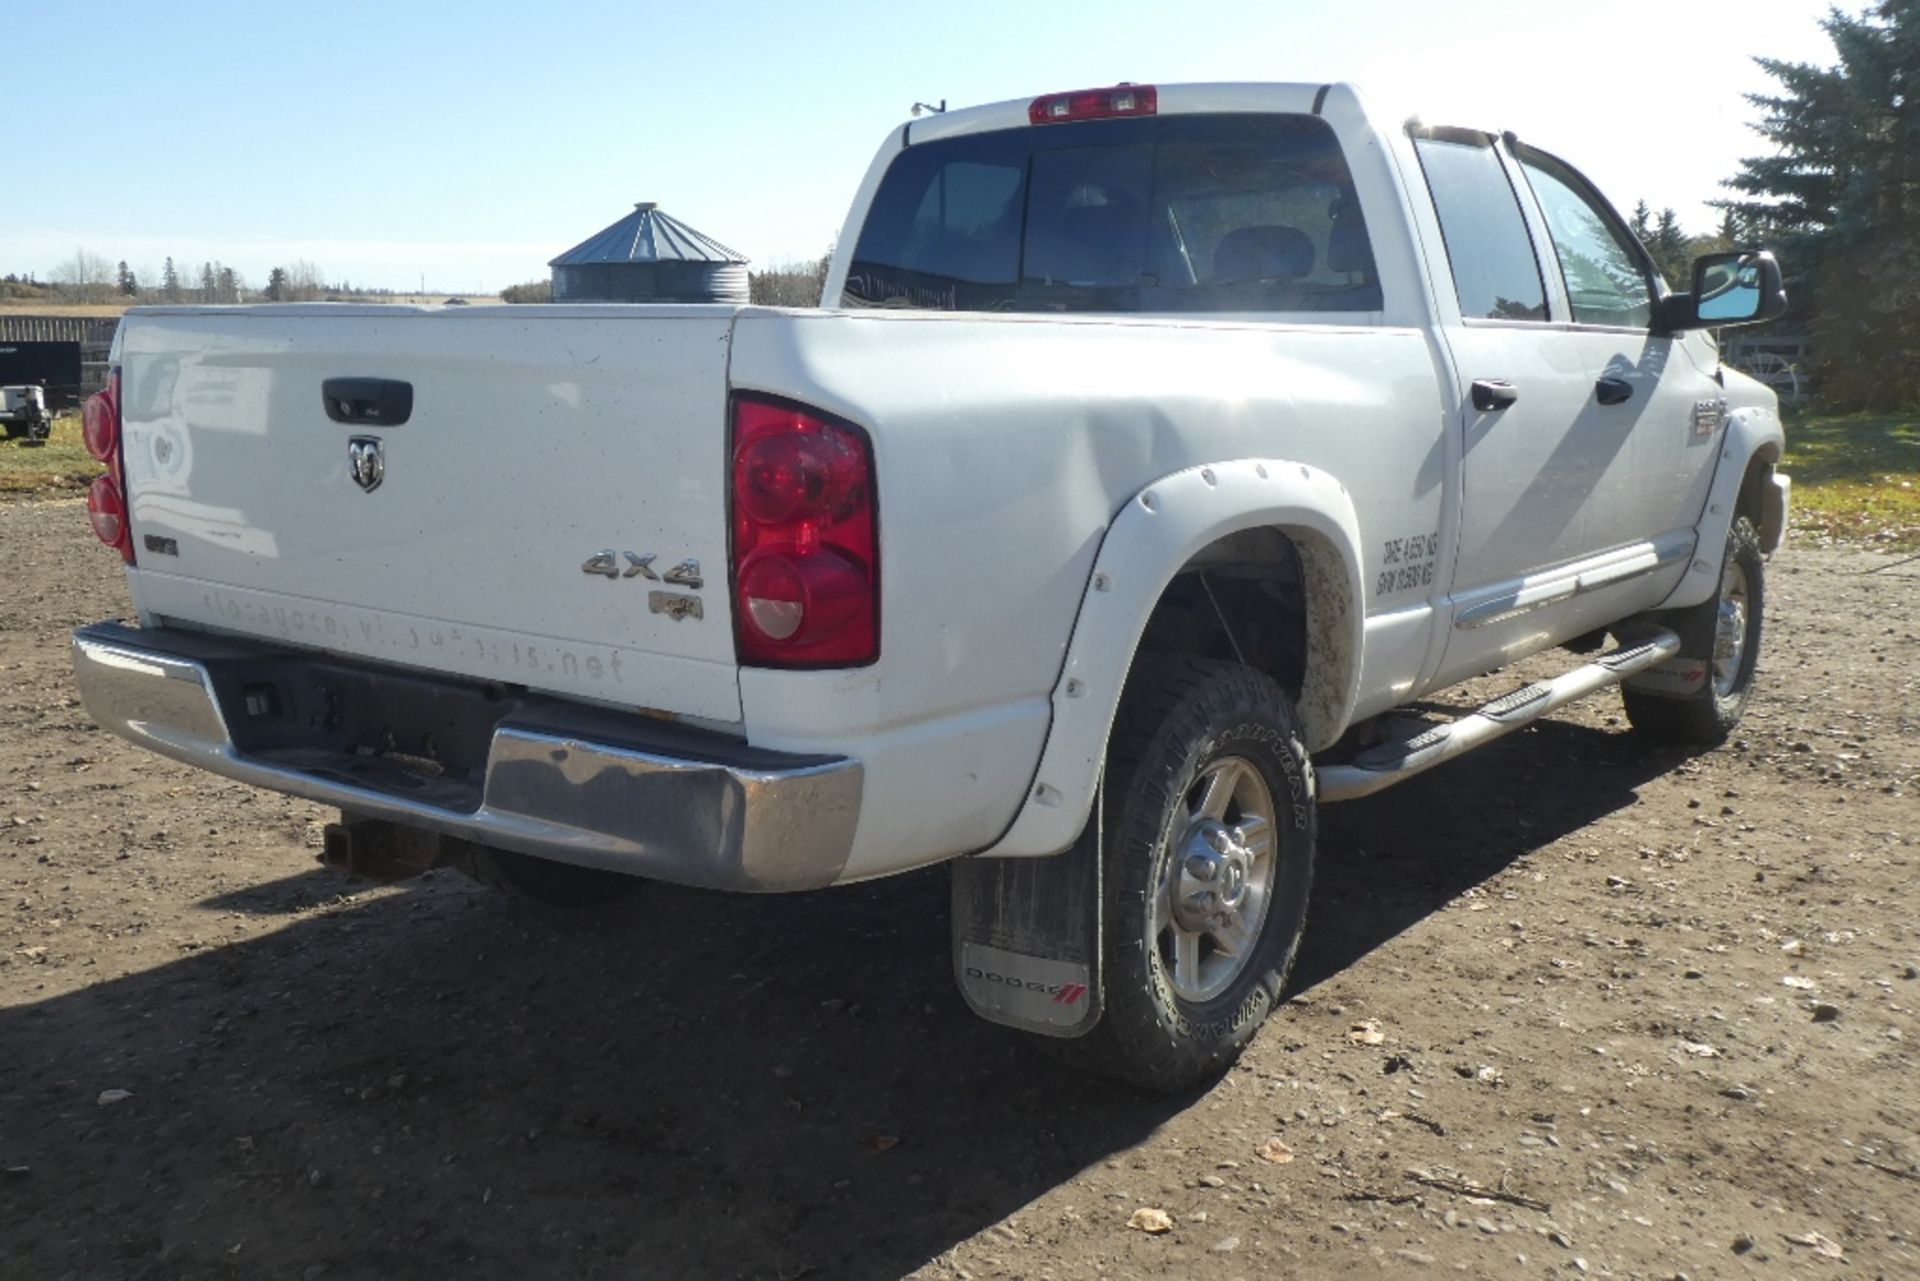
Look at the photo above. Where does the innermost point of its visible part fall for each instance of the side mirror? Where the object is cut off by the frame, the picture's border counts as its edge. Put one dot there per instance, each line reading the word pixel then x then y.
pixel 1737 288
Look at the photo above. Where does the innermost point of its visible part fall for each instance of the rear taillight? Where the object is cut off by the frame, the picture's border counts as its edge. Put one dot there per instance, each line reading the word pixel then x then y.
pixel 100 420
pixel 107 510
pixel 1094 104
pixel 806 554
pixel 100 424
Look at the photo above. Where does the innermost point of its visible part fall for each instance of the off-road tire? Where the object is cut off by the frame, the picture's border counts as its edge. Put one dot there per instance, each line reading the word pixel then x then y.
pixel 1175 719
pixel 564 886
pixel 1707 714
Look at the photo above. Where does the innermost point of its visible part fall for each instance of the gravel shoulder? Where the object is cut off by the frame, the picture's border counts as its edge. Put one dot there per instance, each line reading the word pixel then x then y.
pixel 1570 1005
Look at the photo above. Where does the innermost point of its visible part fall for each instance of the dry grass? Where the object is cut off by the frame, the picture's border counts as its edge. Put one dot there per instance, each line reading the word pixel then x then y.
pixel 48 307
pixel 61 466
pixel 1856 477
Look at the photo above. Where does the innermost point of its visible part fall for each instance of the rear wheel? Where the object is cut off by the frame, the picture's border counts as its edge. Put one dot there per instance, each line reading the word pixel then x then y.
pixel 1208 864
pixel 544 881
pixel 1699 696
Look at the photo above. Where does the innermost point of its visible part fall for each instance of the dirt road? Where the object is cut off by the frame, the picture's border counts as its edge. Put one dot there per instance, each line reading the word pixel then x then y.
pixel 1660 1009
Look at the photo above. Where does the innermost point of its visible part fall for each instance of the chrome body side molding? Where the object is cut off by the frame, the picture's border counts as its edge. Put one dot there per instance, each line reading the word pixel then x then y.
pixel 1510 599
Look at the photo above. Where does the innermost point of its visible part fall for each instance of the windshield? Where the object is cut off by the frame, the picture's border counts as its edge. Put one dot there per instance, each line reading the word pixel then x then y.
pixel 1246 213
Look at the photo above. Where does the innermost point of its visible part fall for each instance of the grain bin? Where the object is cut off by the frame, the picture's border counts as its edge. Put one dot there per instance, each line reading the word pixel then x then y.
pixel 649 257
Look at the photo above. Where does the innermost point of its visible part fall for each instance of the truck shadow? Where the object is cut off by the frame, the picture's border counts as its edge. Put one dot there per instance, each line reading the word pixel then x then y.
pixel 434 1080
pixel 1388 861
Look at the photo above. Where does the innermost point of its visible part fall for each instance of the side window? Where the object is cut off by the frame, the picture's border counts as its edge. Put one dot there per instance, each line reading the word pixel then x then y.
pixel 1494 270
pixel 1606 284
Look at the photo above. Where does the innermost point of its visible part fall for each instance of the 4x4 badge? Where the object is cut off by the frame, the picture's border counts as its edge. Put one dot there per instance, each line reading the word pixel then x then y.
pixel 367 461
pixel 607 564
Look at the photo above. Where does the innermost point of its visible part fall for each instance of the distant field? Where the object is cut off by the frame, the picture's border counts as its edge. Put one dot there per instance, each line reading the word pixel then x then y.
pixel 435 300
pixel 21 306
pixel 32 307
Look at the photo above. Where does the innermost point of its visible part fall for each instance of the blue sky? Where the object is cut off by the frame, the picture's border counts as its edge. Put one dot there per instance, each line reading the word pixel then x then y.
pixel 467 143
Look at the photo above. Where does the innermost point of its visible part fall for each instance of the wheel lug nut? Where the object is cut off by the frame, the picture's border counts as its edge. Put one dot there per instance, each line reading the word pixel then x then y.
pixel 1202 868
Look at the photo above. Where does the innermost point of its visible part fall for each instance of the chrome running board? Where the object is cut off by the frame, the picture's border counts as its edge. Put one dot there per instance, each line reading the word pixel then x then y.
pixel 1389 763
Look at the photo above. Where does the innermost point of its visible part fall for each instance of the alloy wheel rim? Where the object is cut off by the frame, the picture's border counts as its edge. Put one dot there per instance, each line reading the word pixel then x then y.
pixel 1216 880
pixel 1730 628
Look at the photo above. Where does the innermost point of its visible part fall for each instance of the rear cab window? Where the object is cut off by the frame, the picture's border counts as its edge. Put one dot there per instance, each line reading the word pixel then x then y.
pixel 1178 213
pixel 1495 273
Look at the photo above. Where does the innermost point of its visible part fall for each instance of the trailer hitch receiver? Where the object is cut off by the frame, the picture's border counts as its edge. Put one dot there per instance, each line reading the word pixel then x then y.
pixel 376 850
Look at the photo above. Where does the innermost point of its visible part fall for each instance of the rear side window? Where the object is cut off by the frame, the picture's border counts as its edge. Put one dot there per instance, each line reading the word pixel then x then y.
pixel 1173 213
pixel 1495 274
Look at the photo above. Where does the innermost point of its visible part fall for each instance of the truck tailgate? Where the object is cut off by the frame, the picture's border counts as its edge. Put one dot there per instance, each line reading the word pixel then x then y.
pixel 538 439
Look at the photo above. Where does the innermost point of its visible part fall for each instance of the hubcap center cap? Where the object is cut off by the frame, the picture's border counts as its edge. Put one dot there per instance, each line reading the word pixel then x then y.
pixel 1215 868
pixel 1733 628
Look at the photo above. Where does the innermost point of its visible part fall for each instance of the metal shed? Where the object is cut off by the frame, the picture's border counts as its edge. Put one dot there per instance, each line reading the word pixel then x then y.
pixel 69 352
pixel 649 257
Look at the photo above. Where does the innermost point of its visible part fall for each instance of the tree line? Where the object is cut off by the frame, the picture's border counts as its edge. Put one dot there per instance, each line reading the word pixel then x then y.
pixel 87 278
pixel 795 284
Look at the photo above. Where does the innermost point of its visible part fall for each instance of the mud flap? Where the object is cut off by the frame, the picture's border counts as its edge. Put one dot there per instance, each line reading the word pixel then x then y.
pixel 1026 936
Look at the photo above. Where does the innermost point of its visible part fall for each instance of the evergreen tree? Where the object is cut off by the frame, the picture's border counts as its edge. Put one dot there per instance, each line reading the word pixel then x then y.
pixel 1671 250
pixel 277 284
pixel 1840 199
pixel 170 283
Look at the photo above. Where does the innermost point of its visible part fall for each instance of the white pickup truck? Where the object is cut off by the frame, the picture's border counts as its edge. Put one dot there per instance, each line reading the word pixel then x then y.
pixel 1152 445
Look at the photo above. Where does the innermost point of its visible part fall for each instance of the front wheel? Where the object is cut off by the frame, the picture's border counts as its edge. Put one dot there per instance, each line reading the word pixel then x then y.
pixel 1700 694
pixel 1208 864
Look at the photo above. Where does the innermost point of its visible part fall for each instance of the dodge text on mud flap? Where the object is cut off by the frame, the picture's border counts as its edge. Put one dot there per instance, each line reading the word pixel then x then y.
pixel 1062 993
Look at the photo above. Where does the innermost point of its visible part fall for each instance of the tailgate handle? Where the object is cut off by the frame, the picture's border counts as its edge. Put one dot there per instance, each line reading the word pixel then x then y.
pixel 360 402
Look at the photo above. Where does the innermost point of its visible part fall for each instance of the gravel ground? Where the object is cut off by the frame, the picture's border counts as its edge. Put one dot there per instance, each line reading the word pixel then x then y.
pixel 1570 1005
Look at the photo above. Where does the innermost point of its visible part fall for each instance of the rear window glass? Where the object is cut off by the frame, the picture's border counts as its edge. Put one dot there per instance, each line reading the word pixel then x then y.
pixel 1494 271
pixel 1173 213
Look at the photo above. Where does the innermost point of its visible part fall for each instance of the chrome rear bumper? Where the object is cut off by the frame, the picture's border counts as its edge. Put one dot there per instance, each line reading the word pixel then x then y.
pixel 557 780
